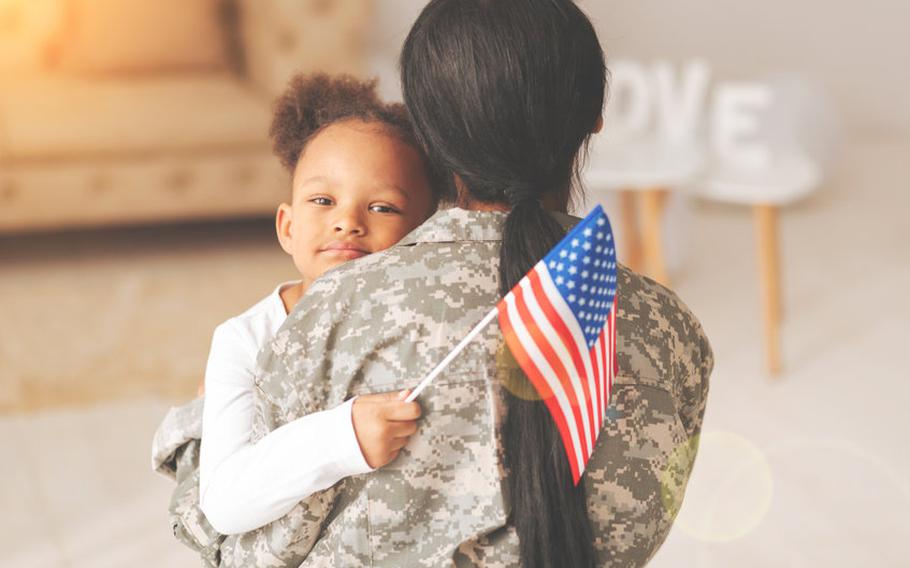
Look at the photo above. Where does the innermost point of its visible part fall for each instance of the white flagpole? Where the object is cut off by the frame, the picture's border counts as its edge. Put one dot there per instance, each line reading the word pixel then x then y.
pixel 448 359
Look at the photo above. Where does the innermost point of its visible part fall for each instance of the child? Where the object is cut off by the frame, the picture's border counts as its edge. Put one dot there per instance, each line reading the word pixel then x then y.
pixel 360 184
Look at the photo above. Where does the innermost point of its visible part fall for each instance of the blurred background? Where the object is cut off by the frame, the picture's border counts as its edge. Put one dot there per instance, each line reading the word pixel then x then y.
pixel 756 160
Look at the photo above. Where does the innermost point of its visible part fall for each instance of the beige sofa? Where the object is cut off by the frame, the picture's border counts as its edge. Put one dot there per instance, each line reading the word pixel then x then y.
pixel 131 111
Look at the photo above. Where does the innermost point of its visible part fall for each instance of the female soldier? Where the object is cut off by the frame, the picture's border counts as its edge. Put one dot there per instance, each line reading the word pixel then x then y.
pixel 504 95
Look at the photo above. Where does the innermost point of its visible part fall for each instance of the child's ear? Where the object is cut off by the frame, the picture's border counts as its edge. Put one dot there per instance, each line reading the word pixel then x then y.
pixel 284 219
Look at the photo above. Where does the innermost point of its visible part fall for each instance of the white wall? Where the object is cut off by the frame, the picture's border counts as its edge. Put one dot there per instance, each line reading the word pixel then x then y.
pixel 859 52
pixel 392 23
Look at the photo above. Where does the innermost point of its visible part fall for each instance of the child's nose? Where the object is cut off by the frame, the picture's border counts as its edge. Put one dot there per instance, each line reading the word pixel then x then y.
pixel 349 222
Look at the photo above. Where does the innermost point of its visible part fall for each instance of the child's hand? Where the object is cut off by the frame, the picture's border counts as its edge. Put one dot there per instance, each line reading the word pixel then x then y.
pixel 383 424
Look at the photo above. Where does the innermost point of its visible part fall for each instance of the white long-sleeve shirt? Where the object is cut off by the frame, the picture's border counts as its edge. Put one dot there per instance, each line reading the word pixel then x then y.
pixel 243 486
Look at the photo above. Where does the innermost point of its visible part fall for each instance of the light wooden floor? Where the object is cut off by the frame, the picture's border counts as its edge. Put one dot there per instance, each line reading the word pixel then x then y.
pixel 100 333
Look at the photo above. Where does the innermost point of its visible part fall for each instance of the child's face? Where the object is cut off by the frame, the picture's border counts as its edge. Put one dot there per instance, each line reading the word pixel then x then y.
pixel 357 189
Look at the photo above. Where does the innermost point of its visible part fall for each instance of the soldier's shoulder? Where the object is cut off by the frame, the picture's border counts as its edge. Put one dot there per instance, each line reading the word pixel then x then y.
pixel 640 289
pixel 656 314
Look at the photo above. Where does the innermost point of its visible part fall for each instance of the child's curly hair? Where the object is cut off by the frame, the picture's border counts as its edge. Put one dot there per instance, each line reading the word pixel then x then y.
pixel 310 103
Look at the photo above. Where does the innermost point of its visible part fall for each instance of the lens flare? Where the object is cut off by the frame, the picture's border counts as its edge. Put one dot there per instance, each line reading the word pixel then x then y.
pixel 729 493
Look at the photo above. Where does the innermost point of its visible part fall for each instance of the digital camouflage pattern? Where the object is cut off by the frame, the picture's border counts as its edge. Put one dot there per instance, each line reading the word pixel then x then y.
pixel 380 323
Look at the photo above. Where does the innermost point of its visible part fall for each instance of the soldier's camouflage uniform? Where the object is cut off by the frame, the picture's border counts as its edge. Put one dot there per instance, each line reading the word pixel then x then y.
pixel 380 323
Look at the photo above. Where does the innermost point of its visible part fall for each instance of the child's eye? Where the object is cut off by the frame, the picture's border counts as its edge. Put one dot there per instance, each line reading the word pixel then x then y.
pixel 321 201
pixel 383 209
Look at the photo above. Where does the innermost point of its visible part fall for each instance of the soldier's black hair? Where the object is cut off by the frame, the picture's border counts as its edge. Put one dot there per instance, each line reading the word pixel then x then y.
pixel 505 94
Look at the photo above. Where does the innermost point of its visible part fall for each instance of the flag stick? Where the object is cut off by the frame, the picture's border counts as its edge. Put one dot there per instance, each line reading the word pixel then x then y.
pixel 448 359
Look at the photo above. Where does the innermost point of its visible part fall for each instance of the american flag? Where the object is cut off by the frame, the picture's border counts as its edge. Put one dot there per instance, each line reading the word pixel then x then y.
pixel 559 321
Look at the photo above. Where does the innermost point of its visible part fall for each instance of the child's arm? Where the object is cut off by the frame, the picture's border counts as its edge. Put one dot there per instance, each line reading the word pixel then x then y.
pixel 244 486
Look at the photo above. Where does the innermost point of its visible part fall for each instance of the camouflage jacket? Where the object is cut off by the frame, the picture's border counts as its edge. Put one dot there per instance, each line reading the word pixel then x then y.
pixel 380 323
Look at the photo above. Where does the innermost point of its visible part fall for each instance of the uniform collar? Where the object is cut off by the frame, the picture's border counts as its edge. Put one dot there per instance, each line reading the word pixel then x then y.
pixel 458 225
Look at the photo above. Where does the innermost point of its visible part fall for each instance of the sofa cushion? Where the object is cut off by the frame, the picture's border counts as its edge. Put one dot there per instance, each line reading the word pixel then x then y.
pixel 105 36
pixel 67 117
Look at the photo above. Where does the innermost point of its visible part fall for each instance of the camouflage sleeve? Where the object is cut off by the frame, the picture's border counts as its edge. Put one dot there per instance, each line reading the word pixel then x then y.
pixel 636 479
pixel 284 542
pixel 693 368
pixel 180 425
pixel 187 520
pixel 175 454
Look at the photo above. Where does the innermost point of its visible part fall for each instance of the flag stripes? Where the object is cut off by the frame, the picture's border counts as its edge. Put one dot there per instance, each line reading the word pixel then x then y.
pixel 573 381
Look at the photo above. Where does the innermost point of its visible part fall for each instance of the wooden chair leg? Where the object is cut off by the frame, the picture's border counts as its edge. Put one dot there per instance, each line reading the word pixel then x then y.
pixel 652 201
pixel 631 240
pixel 769 270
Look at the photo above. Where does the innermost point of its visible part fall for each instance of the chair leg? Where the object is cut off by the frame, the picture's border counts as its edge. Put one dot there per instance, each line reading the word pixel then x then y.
pixel 652 233
pixel 631 241
pixel 769 270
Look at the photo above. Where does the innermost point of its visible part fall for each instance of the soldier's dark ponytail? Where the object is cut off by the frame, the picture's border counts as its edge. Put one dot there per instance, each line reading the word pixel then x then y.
pixel 505 93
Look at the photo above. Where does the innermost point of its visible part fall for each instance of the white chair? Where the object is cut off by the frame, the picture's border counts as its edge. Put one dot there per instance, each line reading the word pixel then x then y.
pixel 800 133
pixel 643 170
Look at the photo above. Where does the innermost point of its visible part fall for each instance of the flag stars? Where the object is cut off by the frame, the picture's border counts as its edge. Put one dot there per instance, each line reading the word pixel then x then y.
pixel 583 270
